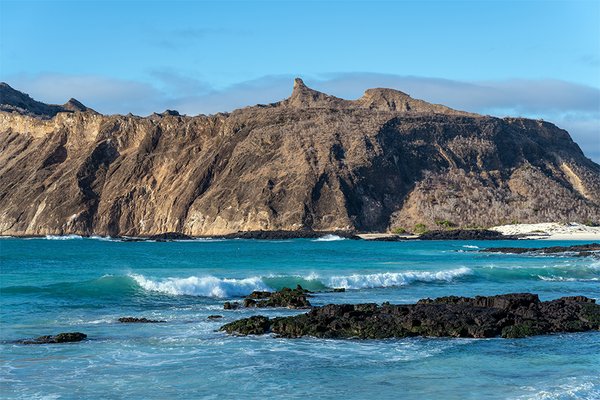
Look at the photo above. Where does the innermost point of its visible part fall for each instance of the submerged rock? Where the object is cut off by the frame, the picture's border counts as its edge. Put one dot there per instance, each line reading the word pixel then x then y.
pixel 134 320
pixel 231 305
pixel 509 316
pixel 213 317
pixel 65 337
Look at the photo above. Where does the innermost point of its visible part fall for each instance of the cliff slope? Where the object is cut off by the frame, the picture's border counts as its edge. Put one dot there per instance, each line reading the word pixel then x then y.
pixel 312 161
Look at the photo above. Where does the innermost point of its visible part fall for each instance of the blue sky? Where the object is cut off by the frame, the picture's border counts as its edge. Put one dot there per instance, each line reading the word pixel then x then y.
pixel 538 59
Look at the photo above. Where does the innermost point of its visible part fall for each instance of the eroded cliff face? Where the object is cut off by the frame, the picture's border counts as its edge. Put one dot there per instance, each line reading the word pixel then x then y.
pixel 312 161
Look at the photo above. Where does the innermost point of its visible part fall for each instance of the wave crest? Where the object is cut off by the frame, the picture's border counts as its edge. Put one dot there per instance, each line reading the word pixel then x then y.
pixel 63 237
pixel 208 286
pixel 390 279
pixel 329 238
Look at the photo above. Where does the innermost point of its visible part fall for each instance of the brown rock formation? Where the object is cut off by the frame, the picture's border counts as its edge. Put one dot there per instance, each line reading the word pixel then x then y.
pixel 312 161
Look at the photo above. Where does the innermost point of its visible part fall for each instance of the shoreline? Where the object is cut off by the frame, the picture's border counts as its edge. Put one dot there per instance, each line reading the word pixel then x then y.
pixel 539 231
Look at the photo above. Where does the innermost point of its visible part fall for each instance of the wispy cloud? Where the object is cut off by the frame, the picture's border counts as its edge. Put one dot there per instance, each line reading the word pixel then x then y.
pixel 177 39
pixel 590 60
pixel 571 106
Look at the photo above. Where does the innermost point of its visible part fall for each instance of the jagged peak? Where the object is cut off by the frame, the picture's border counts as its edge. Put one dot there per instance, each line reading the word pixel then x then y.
pixel 382 99
pixel 298 83
pixel 74 105
pixel 305 97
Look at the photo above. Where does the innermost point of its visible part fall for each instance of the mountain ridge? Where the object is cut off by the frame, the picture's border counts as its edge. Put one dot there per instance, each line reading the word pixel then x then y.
pixel 311 161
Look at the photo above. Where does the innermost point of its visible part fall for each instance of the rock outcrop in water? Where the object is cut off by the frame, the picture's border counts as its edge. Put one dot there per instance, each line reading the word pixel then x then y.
pixel 67 337
pixel 136 320
pixel 508 316
pixel 310 162
pixel 286 297
pixel 581 250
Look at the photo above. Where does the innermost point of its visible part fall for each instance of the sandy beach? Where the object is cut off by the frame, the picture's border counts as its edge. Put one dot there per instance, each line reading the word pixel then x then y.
pixel 551 231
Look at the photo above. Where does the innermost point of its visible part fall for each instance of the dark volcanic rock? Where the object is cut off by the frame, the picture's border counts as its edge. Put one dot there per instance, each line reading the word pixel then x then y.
pixel 508 316
pixel 231 305
pixel 168 236
pixel 307 165
pixel 60 338
pixel 135 320
pixel 582 250
pixel 284 235
pixel 256 325
pixel 465 234
pixel 213 317
pixel 286 297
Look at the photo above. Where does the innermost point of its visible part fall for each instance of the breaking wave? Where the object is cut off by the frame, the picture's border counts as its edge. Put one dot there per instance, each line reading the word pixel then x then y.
pixel 63 237
pixel 208 286
pixel 329 238
pixel 390 279
pixel 135 284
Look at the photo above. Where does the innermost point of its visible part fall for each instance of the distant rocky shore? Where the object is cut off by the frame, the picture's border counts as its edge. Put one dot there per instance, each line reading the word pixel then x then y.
pixel 581 250
pixel 452 234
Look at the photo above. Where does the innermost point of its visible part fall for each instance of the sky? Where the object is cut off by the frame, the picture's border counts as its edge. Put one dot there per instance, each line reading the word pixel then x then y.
pixel 537 59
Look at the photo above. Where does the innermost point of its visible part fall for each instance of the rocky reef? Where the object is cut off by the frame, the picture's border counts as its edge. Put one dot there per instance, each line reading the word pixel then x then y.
pixel 312 162
pixel 509 316
pixel 66 337
pixel 286 297
pixel 136 320
pixel 581 250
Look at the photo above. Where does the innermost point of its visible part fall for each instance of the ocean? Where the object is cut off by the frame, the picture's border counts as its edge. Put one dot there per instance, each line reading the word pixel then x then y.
pixel 66 284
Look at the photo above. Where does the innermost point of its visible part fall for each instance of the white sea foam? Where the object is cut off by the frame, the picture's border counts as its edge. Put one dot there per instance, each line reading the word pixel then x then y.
pixel 63 237
pixel 329 238
pixel 388 279
pixel 468 246
pixel 207 286
pixel 105 238
pixel 566 279
pixel 585 387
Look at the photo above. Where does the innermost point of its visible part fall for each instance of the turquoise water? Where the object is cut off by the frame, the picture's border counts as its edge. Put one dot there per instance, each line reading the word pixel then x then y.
pixel 51 286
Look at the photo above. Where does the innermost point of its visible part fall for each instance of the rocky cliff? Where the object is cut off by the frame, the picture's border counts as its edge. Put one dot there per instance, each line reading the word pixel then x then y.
pixel 312 161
